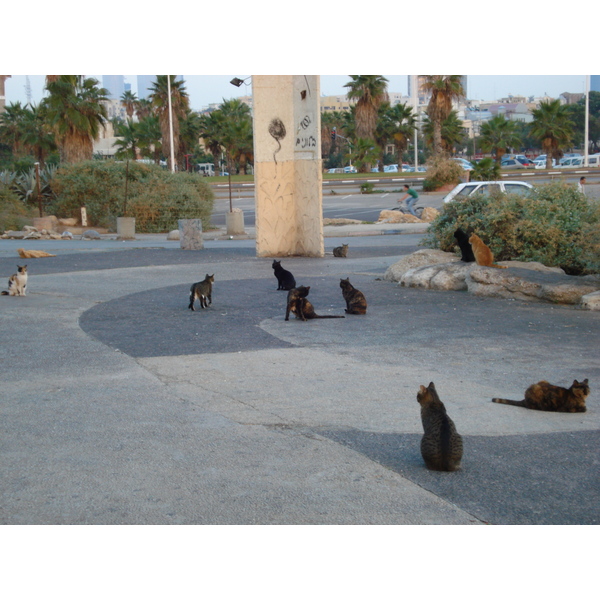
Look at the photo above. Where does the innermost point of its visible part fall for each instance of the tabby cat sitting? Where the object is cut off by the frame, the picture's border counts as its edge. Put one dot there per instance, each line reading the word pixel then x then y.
pixel 545 396
pixel 341 251
pixel 441 444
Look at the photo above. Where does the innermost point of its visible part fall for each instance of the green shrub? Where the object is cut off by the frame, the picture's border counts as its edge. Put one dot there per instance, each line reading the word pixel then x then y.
pixel 14 214
pixel 555 225
pixel 442 171
pixel 155 197
pixel 367 187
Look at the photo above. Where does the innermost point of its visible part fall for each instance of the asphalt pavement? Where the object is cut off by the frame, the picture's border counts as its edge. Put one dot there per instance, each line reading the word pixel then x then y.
pixel 121 406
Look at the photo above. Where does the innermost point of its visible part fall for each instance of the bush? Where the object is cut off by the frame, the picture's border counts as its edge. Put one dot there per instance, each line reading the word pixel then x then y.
pixel 442 171
pixel 13 213
pixel 556 225
pixel 367 187
pixel 155 197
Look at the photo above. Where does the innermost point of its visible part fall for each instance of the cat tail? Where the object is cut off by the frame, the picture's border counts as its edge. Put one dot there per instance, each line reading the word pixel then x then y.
pixel 329 317
pixel 511 402
pixel 498 266
pixel 4 293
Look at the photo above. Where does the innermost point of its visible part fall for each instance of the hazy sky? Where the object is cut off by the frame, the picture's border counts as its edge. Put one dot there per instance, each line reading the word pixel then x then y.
pixel 207 89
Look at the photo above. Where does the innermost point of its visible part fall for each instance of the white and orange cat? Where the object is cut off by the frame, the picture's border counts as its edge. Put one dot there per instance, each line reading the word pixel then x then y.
pixel 483 255
pixel 17 283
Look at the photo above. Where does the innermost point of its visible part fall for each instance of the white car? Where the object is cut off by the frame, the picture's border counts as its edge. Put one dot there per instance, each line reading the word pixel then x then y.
pixel 464 163
pixel 462 190
pixel 390 169
pixel 540 162
pixel 571 161
pixel 350 169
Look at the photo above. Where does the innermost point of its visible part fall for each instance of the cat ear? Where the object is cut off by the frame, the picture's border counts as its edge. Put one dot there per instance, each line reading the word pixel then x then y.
pixel 422 389
pixel 431 386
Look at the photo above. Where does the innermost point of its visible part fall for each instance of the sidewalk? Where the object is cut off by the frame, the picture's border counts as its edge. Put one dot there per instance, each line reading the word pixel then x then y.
pixel 121 406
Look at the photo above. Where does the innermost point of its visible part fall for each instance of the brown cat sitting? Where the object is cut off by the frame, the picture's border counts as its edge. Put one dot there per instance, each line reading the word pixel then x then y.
pixel 299 305
pixel 545 396
pixel 483 255
pixel 441 444
pixel 356 303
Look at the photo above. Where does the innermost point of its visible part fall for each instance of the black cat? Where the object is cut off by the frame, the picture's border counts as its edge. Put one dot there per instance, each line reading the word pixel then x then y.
pixel 462 239
pixel 285 279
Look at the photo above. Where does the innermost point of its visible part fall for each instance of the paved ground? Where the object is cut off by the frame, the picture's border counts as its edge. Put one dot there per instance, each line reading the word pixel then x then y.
pixel 122 406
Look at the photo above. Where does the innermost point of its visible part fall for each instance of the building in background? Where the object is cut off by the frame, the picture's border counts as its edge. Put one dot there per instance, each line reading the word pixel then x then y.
pixel 3 78
pixel 115 84
pixel 144 85
pixel 594 83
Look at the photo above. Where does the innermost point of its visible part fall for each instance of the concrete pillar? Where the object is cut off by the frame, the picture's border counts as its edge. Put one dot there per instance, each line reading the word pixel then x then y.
pixel 126 228
pixel 190 234
pixel 287 165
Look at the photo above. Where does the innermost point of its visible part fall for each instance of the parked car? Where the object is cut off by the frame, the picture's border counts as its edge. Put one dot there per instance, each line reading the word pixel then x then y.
pixel 350 169
pixel 540 162
pixel 527 162
pixel 462 190
pixel 390 169
pixel 594 160
pixel 570 162
pixel 464 163
pixel 512 163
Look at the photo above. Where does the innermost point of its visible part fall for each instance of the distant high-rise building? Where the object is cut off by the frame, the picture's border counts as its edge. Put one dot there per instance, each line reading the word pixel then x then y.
pixel 424 96
pixel 115 84
pixel 594 83
pixel 144 85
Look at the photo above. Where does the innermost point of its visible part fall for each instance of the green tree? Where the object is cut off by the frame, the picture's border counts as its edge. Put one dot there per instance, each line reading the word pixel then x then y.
pixel 179 106
pixel 453 133
pixel 403 127
pixel 149 138
pixel 497 135
pixel 370 91
pixel 444 90
pixel 129 101
pixel 11 127
pixel 129 140
pixel 210 131
pixel 487 169
pixel 76 110
pixel 553 127
pixel 577 112
pixel 364 153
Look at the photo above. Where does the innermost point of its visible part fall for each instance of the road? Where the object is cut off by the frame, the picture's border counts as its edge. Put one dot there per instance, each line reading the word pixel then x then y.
pixel 342 199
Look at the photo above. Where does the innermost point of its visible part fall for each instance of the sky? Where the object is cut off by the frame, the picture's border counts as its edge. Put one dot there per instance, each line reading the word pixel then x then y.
pixel 208 89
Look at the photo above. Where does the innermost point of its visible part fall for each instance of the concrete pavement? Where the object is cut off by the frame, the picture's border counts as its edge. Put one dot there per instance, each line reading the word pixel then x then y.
pixel 120 406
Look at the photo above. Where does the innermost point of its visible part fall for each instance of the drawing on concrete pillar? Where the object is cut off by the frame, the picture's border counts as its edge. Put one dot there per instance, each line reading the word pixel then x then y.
pixel 277 131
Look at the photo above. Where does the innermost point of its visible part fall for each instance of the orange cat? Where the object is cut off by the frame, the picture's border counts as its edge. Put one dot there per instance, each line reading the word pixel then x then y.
pixel 483 255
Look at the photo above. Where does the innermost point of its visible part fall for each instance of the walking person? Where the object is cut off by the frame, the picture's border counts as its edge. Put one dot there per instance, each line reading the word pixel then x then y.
pixel 580 185
pixel 411 198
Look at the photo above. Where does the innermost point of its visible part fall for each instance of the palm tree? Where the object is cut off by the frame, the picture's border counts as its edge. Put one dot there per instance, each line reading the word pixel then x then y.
pixel 210 131
pixel 143 108
pixel 11 127
pixel 149 136
pixel 129 141
pixel 129 101
pixel 76 110
pixel 444 90
pixel 364 153
pixel 36 134
pixel 553 127
pixel 179 105
pixel 370 91
pixel 404 124
pixel 497 135
pixel 453 132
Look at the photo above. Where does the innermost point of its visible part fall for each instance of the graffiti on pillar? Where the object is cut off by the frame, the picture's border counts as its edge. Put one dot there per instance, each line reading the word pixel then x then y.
pixel 277 131
pixel 306 138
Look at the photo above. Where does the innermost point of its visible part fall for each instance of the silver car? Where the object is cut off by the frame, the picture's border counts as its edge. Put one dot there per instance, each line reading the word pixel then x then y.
pixel 462 190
